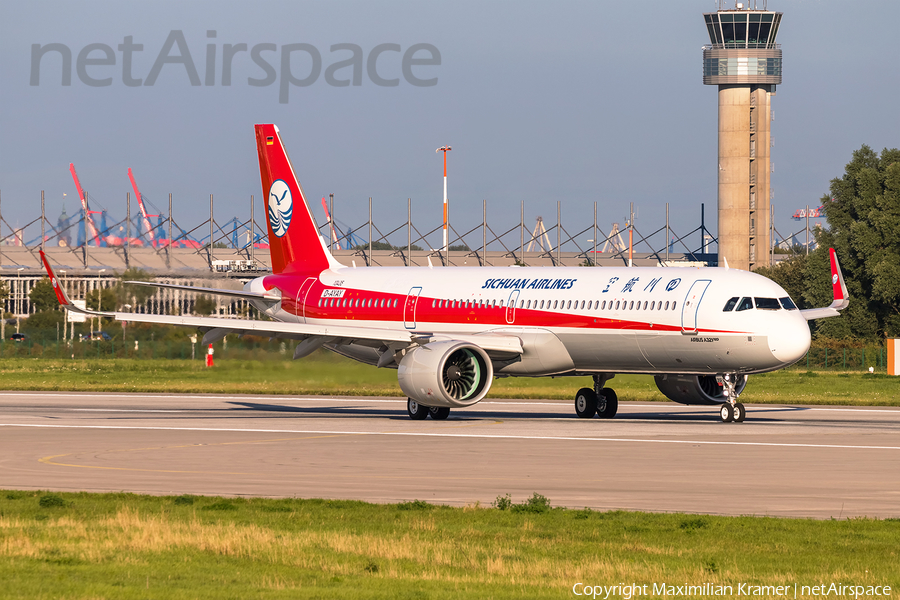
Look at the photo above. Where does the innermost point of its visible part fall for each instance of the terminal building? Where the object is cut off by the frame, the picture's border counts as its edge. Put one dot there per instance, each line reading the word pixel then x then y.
pixel 744 61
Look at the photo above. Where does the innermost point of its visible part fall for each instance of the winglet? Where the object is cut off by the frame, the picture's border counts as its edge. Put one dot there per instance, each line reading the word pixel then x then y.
pixel 839 288
pixel 61 295
pixel 58 289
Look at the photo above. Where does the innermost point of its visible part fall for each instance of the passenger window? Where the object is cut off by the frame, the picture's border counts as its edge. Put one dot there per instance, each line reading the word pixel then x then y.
pixel 732 302
pixel 603 306
pixel 787 303
pixel 667 305
pixel 746 304
pixel 631 306
pixel 673 305
pixel 569 305
pixel 767 304
pixel 617 304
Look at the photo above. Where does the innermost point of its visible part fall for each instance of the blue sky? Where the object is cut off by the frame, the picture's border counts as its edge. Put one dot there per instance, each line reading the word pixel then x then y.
pixel 574 101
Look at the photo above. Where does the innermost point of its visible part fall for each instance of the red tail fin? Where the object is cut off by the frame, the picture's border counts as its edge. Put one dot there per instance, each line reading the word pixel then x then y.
pixel 294 241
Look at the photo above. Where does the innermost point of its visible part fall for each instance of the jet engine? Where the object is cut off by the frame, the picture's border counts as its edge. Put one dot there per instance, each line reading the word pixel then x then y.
pixel 696 389
pixel 451 374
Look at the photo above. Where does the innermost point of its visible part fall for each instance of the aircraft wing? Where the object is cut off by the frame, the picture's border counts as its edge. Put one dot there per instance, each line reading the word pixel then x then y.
pixel 839 290
pixel 215 328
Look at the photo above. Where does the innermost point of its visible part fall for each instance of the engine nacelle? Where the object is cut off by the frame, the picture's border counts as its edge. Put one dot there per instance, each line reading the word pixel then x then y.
pixel 451 374
pixel 696 389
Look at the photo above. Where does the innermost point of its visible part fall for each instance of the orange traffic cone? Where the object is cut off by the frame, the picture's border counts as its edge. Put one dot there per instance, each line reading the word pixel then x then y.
pixel 209 356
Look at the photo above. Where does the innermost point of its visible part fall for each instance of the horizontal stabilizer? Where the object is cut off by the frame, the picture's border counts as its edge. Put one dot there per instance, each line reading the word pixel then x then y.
pixel 266 297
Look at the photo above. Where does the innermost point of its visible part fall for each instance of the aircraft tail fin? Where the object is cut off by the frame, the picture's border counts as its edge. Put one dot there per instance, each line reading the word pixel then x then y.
pixel 294 241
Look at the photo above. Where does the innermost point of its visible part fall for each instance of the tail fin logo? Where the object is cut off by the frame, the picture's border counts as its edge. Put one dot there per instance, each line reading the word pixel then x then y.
pixel 281 207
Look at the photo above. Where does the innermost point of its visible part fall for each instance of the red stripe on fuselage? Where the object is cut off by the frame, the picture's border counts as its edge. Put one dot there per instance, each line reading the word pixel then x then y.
pixel 449 315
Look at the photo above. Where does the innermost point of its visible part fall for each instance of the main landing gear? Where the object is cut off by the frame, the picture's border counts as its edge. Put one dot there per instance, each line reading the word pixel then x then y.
pixel 731 410
pixel 419 412
pixel 601 401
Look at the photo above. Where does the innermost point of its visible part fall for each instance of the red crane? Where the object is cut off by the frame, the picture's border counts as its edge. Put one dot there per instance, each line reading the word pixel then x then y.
pixel 92 229
pixel 144 216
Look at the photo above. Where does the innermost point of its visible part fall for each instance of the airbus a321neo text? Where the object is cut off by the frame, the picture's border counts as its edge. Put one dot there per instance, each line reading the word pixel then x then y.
pixel 450 331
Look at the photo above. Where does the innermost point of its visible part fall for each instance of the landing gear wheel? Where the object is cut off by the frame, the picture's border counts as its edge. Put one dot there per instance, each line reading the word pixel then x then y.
pixel 586 403
pixel 417 412
pixel 439 413
pixel 608 405
pixel 726 411
pixel 739 412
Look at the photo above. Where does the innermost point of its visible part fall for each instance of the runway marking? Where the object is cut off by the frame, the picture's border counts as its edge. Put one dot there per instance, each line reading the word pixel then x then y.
pixel 459 435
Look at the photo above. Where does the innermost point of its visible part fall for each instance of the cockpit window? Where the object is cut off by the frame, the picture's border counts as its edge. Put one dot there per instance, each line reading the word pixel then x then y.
pixel 767 304
pixel 730 304
pixel 787 303
pixel 746 304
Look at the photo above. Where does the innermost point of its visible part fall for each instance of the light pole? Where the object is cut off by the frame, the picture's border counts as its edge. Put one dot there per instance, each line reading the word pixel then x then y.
pixel 99 300
pixel 19 297
pixel 445 150
pixel 65 312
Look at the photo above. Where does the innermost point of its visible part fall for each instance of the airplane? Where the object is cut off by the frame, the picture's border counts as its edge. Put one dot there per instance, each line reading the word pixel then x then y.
pixel 450 331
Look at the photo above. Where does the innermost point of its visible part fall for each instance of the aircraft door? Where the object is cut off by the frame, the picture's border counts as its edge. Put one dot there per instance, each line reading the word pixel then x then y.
pixel 691 306
pixel 511 307
pixel 302 293
pixel 409 308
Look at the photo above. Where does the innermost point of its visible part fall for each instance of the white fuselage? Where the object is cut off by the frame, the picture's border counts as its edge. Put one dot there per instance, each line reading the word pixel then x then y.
pixel 570 319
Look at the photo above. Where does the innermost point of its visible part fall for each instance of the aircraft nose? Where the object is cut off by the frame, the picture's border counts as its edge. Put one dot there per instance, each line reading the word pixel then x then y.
pixel 791 342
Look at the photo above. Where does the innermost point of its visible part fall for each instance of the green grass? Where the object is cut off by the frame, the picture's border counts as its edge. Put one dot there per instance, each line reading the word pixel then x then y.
pixel 327 374
pixel 128 546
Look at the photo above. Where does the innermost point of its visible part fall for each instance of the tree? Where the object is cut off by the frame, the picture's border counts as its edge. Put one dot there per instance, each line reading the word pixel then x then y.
pixel 4 294
pixel 863 212
pixel 135 295
pixel 102 299
pixel 43 296
pixel 204 305
pixel 45 322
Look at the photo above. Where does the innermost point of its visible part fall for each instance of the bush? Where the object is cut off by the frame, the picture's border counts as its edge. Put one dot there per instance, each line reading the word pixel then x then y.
pixel 538 503
pixel 502 502
pixel 414 505
pixel 51 501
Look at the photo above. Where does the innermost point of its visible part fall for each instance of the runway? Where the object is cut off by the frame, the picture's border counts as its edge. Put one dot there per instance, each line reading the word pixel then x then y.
pixel 800 461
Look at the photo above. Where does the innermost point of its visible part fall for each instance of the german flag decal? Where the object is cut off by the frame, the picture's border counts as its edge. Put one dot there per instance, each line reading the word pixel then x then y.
pixel 270 140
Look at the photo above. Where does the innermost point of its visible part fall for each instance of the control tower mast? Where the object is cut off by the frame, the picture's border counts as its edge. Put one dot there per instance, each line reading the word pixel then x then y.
pixel 744 61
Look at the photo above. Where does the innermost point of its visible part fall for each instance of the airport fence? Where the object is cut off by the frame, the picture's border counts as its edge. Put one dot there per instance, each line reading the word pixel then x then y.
pixel 818 358
pixel 143 349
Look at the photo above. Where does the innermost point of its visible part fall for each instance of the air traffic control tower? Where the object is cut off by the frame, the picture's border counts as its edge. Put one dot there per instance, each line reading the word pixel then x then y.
pixel 744 61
